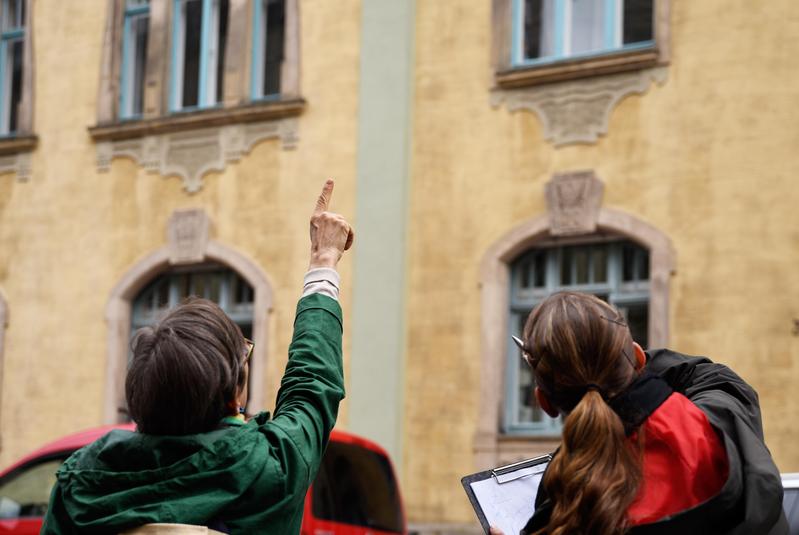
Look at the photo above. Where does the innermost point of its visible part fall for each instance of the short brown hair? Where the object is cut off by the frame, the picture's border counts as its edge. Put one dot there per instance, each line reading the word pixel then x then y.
pixel 185 370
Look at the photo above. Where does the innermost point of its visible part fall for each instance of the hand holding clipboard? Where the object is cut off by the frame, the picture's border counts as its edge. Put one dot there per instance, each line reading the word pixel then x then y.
pixel 505 497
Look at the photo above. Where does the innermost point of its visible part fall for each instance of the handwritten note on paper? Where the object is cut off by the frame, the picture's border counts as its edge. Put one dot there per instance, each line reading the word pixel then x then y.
pixel 509 502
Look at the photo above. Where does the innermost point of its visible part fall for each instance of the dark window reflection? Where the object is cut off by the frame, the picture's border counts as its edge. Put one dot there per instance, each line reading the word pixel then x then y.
pixel 191 53
pixel 273 55
pixel 638 21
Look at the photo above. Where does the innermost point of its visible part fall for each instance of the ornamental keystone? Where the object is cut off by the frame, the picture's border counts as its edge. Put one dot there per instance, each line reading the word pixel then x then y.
pixel 574 200
pixel 188 235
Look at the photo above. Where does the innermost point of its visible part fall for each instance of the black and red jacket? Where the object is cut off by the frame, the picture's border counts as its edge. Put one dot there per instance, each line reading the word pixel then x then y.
pixel 706 468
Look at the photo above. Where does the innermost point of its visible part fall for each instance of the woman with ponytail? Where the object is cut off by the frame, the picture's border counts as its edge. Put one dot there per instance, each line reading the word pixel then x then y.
pixel 653 442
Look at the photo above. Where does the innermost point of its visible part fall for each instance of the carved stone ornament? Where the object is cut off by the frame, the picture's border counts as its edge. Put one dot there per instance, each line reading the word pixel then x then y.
pixel 578 111
pixel 188 234
pixel 191 154
pixel 17 163
pixel 574 200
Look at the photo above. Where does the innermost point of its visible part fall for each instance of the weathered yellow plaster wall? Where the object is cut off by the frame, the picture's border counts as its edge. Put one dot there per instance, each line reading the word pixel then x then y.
pixel 69 234
pixel 709 158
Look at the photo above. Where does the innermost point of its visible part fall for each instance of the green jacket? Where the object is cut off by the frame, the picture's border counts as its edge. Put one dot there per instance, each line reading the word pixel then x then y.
pixel 252 477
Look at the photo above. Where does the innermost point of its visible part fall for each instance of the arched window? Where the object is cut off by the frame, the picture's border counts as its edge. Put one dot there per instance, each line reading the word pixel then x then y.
pixel 613 269
pixel 623 259
pixel 190 264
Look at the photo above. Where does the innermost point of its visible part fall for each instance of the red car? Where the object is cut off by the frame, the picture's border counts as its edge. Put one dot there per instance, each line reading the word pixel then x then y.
pixel 355 492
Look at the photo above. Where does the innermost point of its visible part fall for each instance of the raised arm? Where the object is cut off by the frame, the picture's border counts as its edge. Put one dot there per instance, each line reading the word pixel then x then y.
pixel 313 383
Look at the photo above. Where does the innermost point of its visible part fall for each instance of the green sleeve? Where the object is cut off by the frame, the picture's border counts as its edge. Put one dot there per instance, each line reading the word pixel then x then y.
pixel 310 392
pixel 56 521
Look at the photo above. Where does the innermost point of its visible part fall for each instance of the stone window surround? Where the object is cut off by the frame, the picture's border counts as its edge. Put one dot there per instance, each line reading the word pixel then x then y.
pixel 507 76
pixel 3 325
pixel 15 149
pixel 118 317
pixel 490 446
pixel 237 106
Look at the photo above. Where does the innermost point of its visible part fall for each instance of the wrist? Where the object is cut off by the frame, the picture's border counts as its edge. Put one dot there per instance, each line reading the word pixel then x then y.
pixel 324 259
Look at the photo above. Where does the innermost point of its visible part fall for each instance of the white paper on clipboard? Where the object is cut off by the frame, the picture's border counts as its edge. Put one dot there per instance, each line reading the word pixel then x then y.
pixel 508 500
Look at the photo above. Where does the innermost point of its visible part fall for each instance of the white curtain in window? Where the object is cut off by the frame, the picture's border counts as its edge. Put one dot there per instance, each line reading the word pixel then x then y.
pixel 547 45
pixel 587 26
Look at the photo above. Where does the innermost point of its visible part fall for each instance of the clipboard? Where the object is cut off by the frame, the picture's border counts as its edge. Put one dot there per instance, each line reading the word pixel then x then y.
pixel 504 497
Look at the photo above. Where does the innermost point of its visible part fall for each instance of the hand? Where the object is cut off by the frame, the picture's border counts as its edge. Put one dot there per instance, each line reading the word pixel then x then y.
pixel 331 235
pixel 495 531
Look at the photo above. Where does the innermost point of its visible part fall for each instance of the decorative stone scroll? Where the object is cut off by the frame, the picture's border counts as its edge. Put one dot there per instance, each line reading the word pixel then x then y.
pixel 578 111
pixel 188 234
pixel 574 200
pixel 20 164
pixel 191 154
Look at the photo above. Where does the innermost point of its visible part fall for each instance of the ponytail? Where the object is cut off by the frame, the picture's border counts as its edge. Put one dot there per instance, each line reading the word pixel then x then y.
pixel 595 475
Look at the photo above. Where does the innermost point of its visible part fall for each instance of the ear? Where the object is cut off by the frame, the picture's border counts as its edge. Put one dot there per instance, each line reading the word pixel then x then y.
pixel 640 356
pixel 544 403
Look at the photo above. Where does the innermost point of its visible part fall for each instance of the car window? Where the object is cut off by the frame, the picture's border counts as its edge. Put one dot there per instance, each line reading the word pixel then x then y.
pixel 790 503
pixel 357 486
pixel 26 492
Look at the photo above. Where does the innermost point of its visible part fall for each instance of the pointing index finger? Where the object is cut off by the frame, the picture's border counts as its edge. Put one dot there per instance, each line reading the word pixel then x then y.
pixel 324 198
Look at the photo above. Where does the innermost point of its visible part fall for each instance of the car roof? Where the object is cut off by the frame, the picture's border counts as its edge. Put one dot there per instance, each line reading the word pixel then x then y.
pixel 70 443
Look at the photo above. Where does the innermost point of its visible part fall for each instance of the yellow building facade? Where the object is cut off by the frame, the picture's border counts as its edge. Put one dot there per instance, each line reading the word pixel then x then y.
pixel 472 163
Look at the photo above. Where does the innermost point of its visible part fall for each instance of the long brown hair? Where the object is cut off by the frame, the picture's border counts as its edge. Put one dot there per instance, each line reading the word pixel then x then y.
pixel 581 353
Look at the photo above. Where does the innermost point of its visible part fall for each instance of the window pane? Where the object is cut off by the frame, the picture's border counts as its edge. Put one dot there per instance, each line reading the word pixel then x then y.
pixel 356 486
pixel 525 274
pixel 540 263
pixel 139 30
pixel 638 21
pixel 637 317
pixel 27 493
pixel 191 52
pixel 15 89
pixel 13 14
pixel 529 411
pixel 600 264
pixel 275 11
pixel 581 265
pixel 162 294
pixel 566 266
pixel 627 263
pixel 538 28
pixel 587 25
pixel 643 265
pixel 221 47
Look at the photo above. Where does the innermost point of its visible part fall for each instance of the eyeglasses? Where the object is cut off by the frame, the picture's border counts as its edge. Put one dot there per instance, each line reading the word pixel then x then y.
pixel 250 345
pixel 525 352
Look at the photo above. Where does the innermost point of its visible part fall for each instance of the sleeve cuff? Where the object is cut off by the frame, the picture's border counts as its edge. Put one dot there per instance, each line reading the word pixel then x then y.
pixel 323 281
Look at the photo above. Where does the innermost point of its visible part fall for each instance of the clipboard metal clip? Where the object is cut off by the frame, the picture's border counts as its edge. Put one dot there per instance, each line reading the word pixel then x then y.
pixel 518 470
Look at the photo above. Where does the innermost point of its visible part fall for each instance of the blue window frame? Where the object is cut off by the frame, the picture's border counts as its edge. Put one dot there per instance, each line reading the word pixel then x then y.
pixel 199 37
pixel 616 271
pixel 135 33
pixel 546 31
pixel 268 30
pixel 12 43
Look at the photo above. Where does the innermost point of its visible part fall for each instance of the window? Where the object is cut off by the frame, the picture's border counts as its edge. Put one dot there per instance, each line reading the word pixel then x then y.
pixel 553 30
pixel 269 19
pixel 231 62
pixel 200 30
pixel 134 56
pixel 25 492
pixel 12 43
pixel 216 283
pixel 616 271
